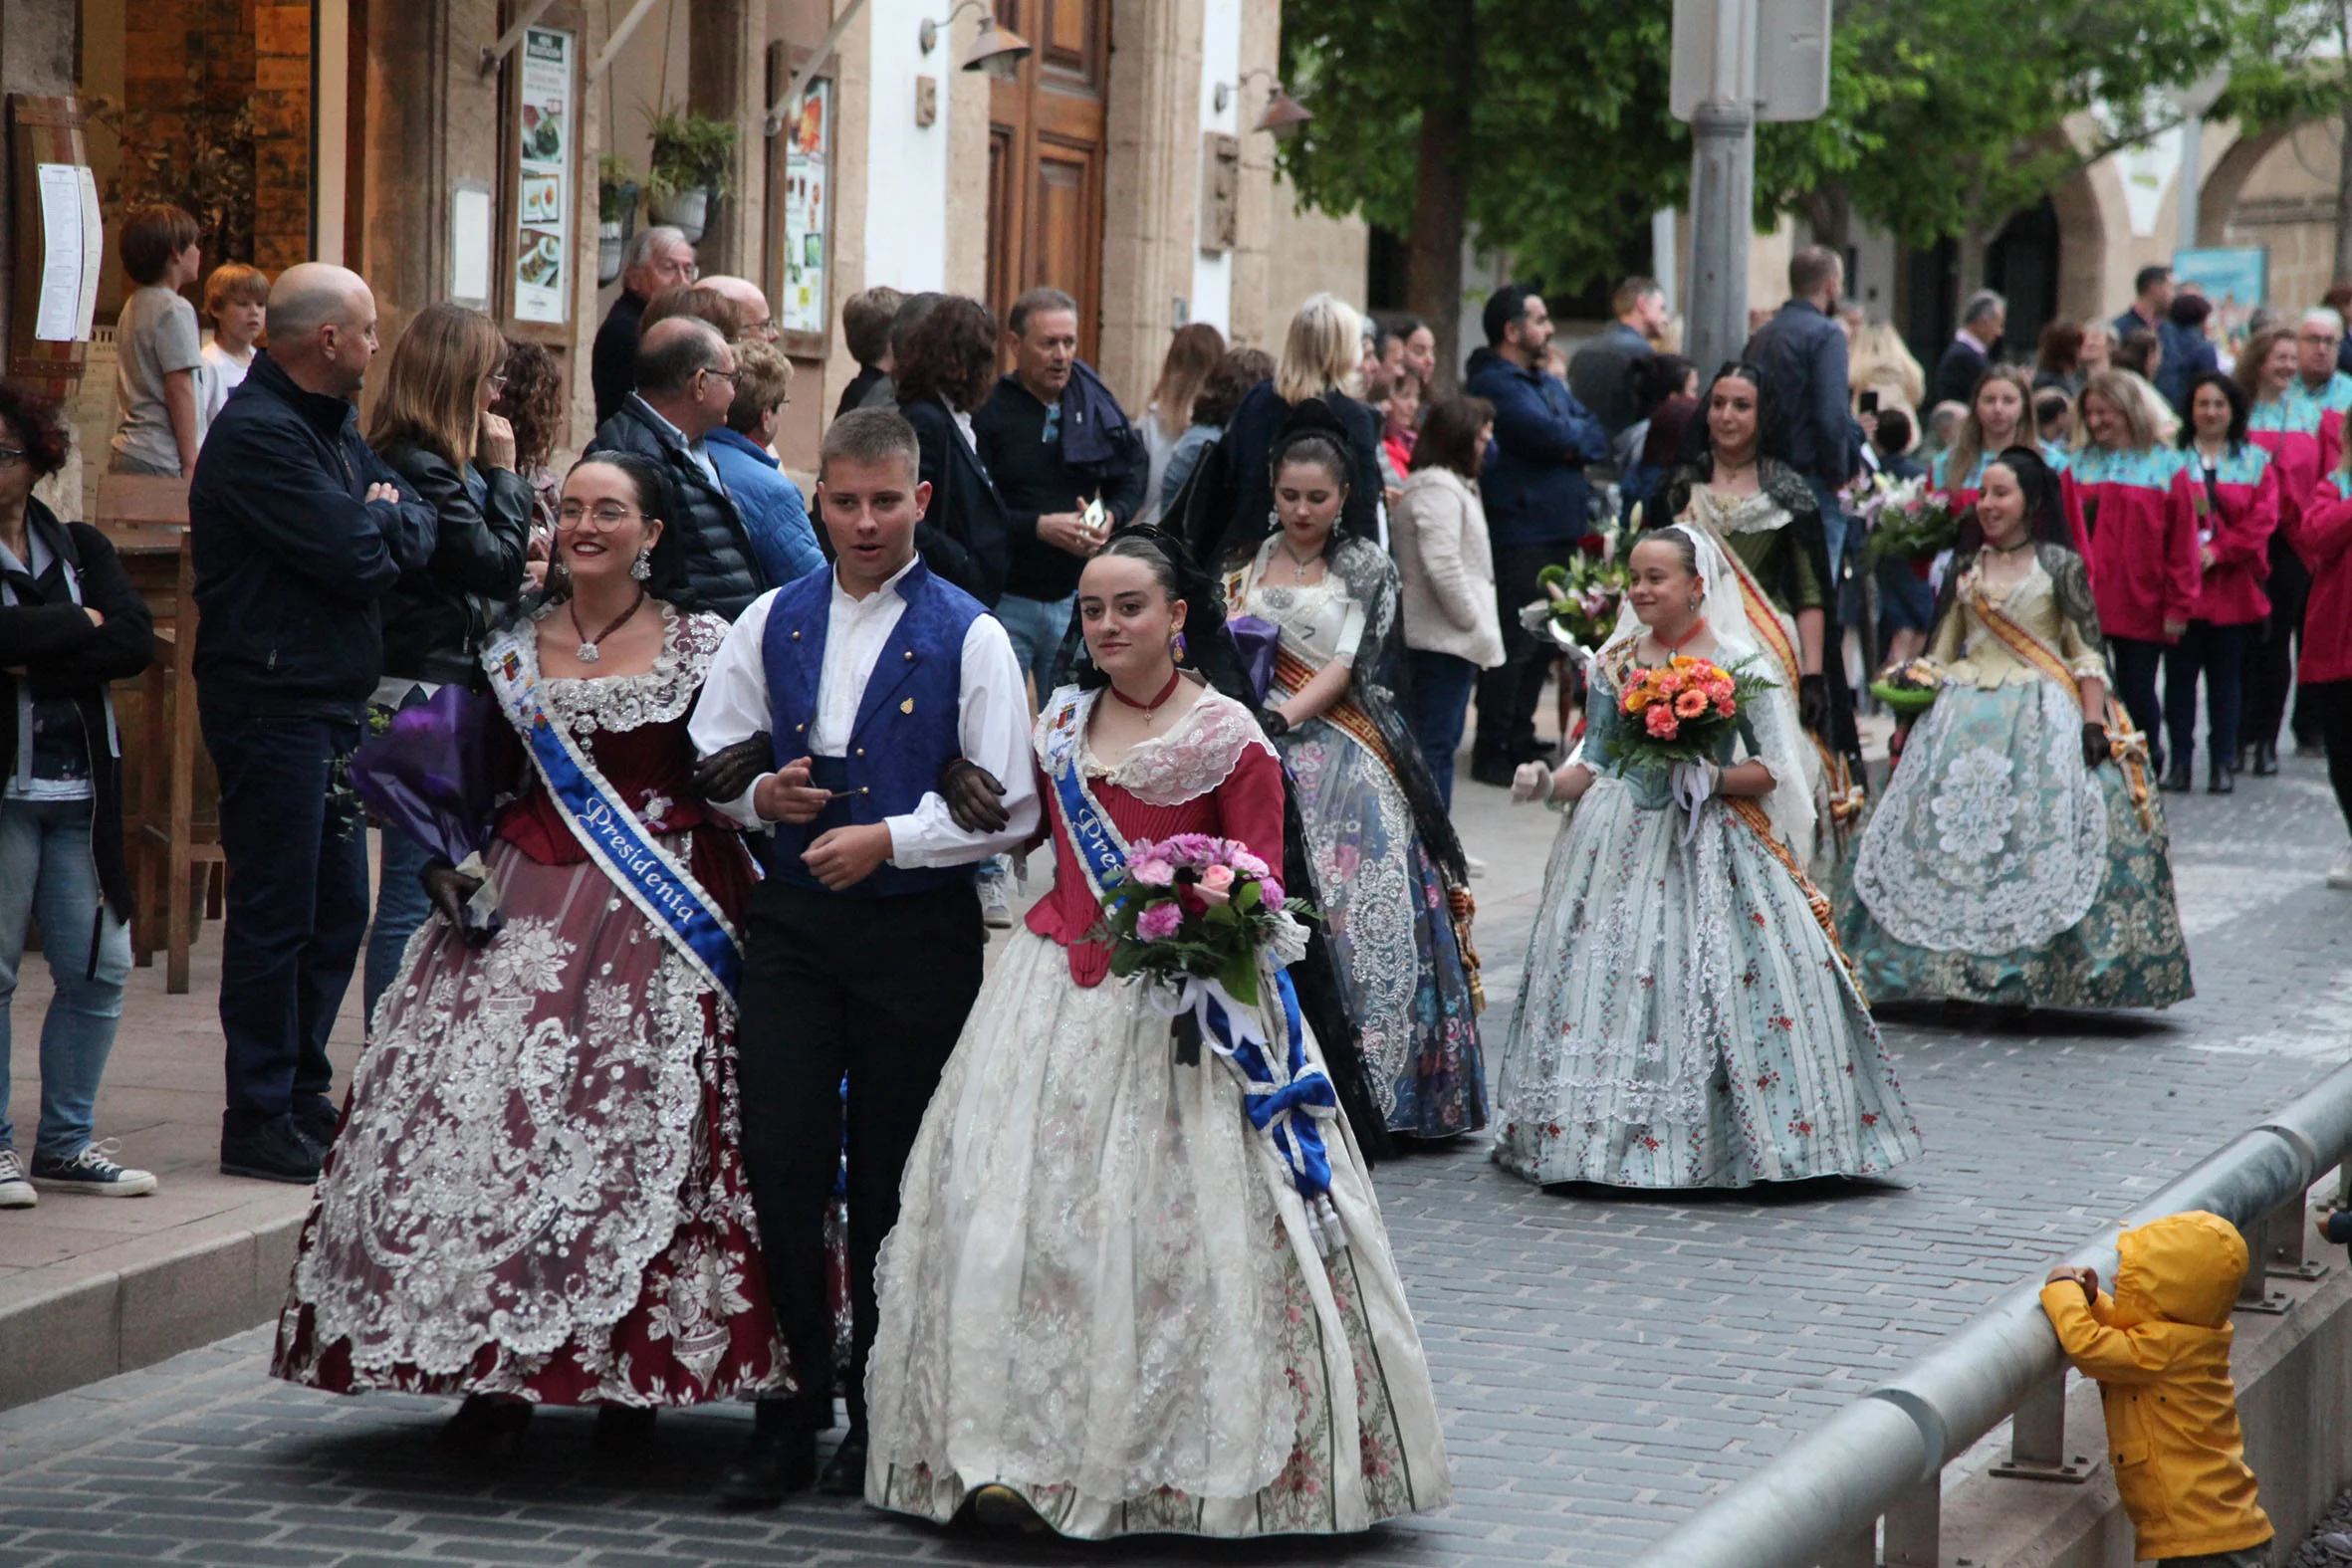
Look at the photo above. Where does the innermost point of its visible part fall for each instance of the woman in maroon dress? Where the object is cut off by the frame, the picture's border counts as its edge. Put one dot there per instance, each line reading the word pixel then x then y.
pixel 536 1195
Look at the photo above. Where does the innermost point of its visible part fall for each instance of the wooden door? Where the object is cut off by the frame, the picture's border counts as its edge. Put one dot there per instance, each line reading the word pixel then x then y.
pixel 1046 155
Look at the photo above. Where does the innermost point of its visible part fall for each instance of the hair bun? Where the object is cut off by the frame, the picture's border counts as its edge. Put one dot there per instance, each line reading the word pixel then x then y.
pixel 1313 416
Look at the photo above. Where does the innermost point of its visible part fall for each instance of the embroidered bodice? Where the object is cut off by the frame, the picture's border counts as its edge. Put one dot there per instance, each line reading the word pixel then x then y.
pixel 1213 772
pixel 1320 621
pixel 634 731
pixel 1973 655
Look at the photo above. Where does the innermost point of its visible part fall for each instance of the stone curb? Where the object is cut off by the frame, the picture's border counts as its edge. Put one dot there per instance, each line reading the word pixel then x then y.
pixel 94 1327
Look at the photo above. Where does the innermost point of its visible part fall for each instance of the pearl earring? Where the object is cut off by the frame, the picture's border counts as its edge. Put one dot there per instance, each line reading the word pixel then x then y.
pixel 1693 604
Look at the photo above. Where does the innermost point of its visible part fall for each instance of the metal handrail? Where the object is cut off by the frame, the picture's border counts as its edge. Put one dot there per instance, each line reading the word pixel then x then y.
pixel 1881 1457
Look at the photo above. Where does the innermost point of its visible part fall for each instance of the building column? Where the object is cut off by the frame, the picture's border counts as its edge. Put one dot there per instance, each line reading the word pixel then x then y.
pixel 1152 188
pixel 727 79
pixel 1258 319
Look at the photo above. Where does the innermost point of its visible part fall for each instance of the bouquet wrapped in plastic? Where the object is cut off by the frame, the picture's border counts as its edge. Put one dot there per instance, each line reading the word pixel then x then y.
pixel 1908 522
pixel 430 776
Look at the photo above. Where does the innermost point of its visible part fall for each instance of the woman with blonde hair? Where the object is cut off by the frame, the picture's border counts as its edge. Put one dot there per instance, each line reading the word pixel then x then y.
pixel 1233 508
pixel 1192 354
pixel 1882 363
pixel 2000 416
pixel 2133 511
pixel 433 426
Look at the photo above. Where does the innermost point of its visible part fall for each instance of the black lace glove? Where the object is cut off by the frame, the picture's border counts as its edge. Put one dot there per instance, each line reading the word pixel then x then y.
pixel 1813 702
pixel 1270 720
pixel 731 770
pixel 448 889
pixel 973 796
pixel 2095 749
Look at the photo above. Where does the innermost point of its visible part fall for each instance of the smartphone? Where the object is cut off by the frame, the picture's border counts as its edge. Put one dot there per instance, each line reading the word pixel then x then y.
pixel 1868 402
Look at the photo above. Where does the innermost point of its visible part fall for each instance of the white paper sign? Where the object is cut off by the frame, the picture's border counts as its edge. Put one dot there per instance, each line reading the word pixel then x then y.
pixel 469 244
pixel 58 316
pixel 543 186
pixel 94 250
pixel 808 174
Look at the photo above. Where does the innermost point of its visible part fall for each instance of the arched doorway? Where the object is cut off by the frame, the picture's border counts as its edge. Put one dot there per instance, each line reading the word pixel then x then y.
pixel 2022 264
pixel 1045 154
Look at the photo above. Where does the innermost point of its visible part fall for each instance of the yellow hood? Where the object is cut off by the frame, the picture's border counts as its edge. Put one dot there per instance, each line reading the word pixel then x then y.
pixel 2184 1269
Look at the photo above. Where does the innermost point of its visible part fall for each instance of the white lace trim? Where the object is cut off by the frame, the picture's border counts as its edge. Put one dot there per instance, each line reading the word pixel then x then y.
pixel 1198 754
pixel 1752 514
pixel 1980 850
pixel 586 704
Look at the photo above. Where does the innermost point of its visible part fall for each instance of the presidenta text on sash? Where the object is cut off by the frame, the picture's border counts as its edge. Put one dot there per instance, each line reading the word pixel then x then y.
pixel 613 835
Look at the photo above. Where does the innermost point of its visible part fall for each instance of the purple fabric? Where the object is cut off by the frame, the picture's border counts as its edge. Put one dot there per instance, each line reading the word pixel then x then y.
pixel 1256 641
pixel 429 775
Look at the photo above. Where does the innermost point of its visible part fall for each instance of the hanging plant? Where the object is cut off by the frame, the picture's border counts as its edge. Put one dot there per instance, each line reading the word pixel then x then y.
pixel 616 188
pixel 690 152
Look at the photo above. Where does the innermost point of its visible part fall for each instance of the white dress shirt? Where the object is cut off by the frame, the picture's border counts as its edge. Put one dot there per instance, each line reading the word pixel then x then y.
pixel 992 723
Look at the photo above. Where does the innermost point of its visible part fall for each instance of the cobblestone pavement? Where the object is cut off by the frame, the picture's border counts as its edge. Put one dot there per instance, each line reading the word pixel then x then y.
pixel 1605 1361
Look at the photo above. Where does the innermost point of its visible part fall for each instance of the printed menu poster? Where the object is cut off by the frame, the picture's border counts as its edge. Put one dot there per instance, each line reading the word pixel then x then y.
pixel 808 176
pixel 57 318
pixel 543 247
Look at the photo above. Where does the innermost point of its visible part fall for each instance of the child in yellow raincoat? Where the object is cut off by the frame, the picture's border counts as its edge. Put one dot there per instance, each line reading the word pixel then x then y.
pixel 2159 1350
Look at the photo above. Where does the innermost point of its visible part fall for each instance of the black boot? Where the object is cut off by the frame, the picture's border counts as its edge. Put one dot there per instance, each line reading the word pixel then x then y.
pixel 2265 759
pixel 2223 781
pixel 2176 779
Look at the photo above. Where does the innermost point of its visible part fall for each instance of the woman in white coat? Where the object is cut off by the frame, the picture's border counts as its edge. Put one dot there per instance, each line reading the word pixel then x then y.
pixel 1438 531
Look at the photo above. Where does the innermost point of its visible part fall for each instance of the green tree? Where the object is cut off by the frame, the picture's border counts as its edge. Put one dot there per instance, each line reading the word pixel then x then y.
pixel 1542 124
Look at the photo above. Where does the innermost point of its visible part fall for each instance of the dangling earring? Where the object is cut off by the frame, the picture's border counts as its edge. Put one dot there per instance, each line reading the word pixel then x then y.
pixel 1176 647
pixel 1693 604
pixel 642 568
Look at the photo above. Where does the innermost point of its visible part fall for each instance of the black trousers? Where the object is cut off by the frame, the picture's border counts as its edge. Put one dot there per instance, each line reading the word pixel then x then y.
pixel 2138 662
pixel 297 850
pixel 876 989
pixel 2330 705
pixel 2270 656
pixel 2217 653
pixel 1509 693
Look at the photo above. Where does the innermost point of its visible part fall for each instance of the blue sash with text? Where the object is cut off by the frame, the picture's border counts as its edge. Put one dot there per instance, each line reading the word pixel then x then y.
pixel 619 843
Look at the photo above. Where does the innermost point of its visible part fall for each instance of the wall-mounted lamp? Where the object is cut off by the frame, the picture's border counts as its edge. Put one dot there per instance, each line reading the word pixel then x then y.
pixel 1283 114
pixel 998 50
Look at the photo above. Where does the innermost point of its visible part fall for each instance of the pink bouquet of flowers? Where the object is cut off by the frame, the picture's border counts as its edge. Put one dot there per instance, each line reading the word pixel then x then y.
pixel 1194 905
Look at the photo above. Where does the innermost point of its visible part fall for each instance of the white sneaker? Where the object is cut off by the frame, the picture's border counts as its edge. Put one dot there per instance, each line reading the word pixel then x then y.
pixel 92 1171
pixel 2341 877
pixel 15 1191
pixel 996 900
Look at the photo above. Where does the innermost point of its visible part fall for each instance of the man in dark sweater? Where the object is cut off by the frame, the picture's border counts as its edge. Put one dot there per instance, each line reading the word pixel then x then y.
pixel 1053 439
pixel 298 530
pixel 659 258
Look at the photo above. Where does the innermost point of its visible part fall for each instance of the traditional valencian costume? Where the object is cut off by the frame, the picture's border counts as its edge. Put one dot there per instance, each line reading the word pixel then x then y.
pixel 1687 1019
pixel 1998 866
pixel 1387 864
pixel 1147 1295
pixel 538 1190
pixel 873 981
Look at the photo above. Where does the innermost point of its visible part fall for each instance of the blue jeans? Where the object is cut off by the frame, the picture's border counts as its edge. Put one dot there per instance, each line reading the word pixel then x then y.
pixel 47 874
pixel 1036 628
pixel 400 907
pixel 1441 704
pixel 296 850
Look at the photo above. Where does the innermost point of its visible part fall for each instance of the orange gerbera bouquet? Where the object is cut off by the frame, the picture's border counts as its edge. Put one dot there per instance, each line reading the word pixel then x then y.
pixel 1681 711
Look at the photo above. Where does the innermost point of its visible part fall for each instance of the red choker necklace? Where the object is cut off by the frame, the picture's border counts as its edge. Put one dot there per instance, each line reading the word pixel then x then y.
pixel 1152 706
pixel 1688 638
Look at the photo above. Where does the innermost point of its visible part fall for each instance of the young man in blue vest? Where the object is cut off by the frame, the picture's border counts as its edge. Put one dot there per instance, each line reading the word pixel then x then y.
pixel 875 680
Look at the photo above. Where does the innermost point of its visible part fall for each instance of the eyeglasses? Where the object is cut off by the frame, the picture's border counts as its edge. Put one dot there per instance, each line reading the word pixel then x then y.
pixel 10 456
pixel 497 379
pixel 729 376
pixel 573 515
pixel 2317 339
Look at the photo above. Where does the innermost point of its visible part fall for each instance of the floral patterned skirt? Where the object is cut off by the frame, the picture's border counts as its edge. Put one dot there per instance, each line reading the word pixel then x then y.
pixel 1392 937
pixel 1101 1294
pixel 1685 1020
pixel 1997 868
pixel 538 1189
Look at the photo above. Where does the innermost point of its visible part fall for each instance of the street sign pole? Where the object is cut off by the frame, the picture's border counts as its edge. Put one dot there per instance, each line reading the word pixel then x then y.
pixel 1722 179
pixel 1736 62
